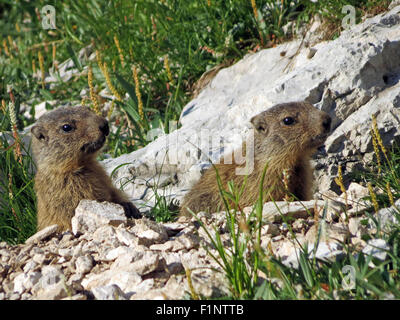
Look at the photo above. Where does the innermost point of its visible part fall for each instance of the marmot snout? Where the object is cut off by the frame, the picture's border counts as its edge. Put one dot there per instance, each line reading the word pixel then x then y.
pixel 285 138
pixel 65 145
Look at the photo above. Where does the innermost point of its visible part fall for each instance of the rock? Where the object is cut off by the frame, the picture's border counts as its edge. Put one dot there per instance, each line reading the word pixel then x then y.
pixel 149 232
pixel 274 211
pixel 116 252
pixel 19 283
pixel 125 280
pixel 337 232
pixel 51 275
pixel 127 238
pixel 325 251
pixel 387 217
pixel 90 215
pixel 42 234
pixel 148 263
pixel 355 192
pixel 173 228
pixel 109 292
pixel 270 229
pixel 84 264
pixel 164 247
pixel 54 292
pixel 78 296
pixel 356 228
pixel 186 242
pixel 155 294
pixel 377 248
pixel 39 258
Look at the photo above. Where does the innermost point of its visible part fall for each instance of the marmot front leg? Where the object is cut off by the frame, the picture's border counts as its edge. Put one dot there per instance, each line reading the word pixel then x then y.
pixel 130 210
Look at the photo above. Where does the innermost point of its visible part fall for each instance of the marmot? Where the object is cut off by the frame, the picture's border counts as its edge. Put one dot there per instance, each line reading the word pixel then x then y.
pixel 285 138
pixel 65 143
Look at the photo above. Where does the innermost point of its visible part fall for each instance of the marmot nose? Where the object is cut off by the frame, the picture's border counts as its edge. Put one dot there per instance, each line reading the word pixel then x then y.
pixel 104 128
pixel 327 123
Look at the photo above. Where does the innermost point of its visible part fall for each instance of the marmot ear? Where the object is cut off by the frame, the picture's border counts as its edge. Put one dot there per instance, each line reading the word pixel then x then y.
pixel 39 132
pixel 259 124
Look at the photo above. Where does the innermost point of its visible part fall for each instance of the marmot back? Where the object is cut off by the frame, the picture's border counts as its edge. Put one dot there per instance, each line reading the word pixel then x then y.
pixel 285 138
pixel 65 144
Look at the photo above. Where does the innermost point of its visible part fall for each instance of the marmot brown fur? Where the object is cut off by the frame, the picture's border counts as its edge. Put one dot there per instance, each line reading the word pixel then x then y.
pixel 65 144
pixel 285 138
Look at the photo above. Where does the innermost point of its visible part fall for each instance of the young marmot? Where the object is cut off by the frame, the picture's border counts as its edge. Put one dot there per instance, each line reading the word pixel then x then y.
pixel 65 144
pixel 285 138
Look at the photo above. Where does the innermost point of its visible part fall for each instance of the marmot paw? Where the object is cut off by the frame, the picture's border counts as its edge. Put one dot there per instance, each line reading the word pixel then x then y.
pixel 130 210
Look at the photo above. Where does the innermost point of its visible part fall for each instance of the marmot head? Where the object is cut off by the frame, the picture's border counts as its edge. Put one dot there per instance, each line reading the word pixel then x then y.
pixel 68 135
pixel 297 128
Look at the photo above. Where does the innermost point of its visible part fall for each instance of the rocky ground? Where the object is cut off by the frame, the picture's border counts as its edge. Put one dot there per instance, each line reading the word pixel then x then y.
pixel 106 256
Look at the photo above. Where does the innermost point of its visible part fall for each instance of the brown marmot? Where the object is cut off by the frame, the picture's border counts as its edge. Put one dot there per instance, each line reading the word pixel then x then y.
pixel 285 137
pixel 65 143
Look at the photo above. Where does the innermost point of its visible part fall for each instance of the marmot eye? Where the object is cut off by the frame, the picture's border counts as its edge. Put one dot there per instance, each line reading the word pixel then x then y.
pixel 288 121
pixel 66 127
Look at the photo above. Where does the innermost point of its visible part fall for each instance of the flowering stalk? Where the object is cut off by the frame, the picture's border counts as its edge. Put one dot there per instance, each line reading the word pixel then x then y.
pixel 253 4
pixel 110 111
pixel 41 65
pixel 121 56
pixel 379 138
pixel 13 119
pixel 3 106
pixel 389 192
pixel 167 68
pixel 5 46
pixel 92 93
pixel 339 182
pixel 376 150
pixel 109 83
pixel 137 91
pixel 55 67
pixel 373 197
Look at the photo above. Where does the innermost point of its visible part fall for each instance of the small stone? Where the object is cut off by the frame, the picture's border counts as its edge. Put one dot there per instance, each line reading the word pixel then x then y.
pixel 30 265
pixel 19 283
pixel 65 253
pixel 126 280
pixel 50 276
pixel 186 242
pixel 148 263
pixel 149 237
pixel 108 292
pixel 164 247
pixel 270 229
pixel 273 211
pixel 126 238
pixel 125 261
pixel 311 53
pixel 90 215
pixel 173 228
pixel 54 292
pixel 39 258
pixel 377 248
pixel 42 234
pixel 149 232
pixel 78 296
pixel 116 252
pixel 354 225
pixel 84 264
pixel 105 234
